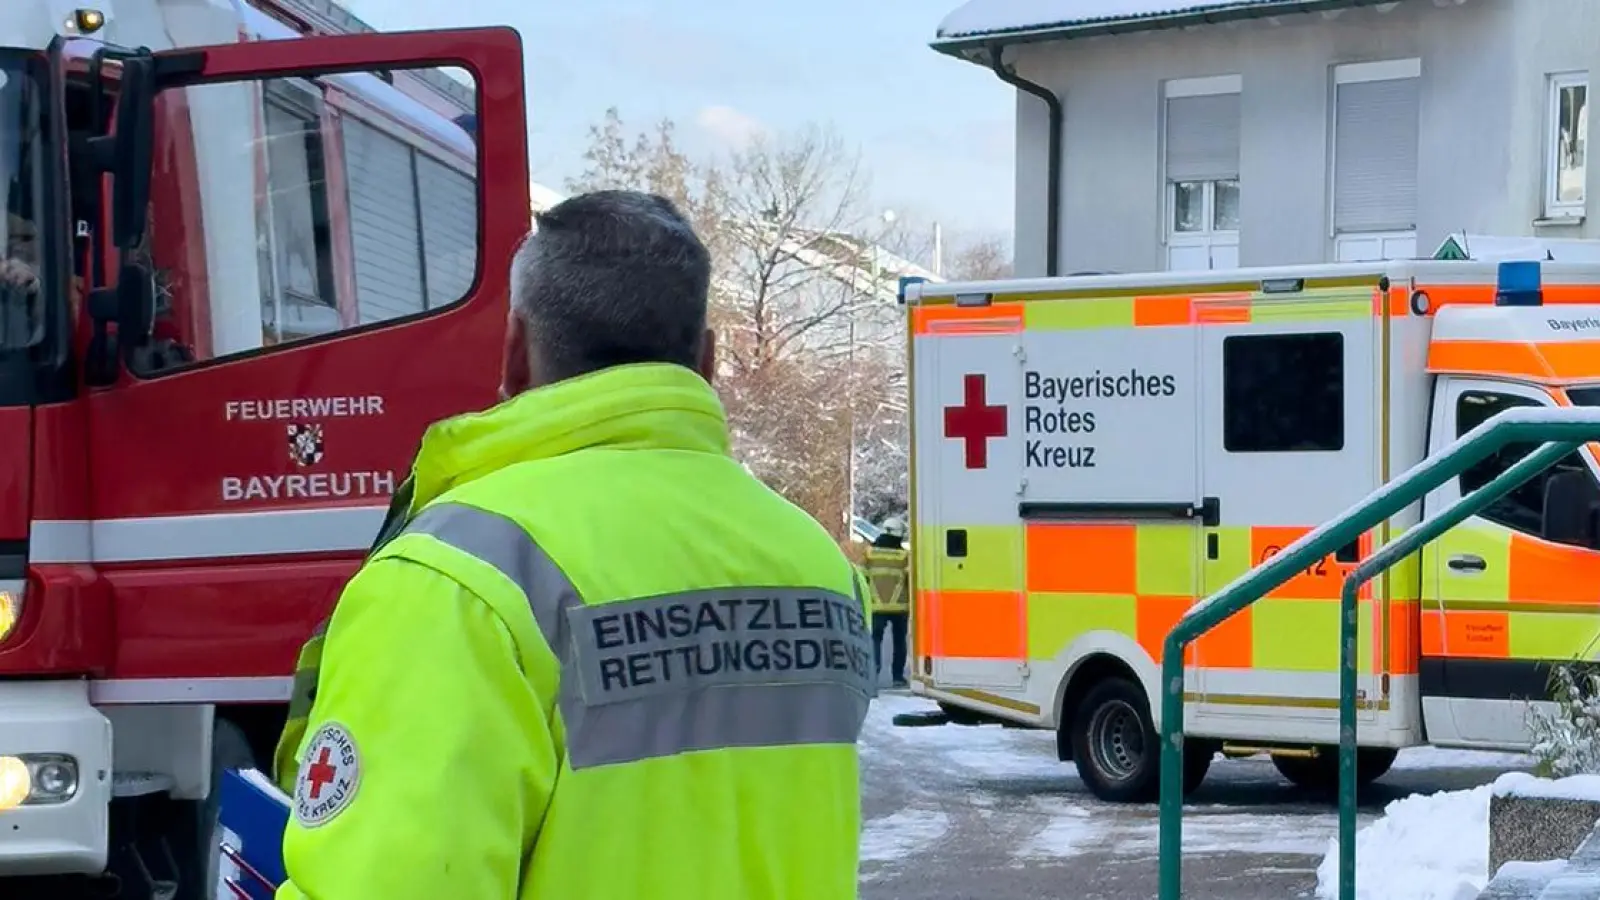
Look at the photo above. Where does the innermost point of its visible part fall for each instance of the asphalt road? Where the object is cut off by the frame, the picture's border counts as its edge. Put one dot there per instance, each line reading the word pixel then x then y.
pixel 985 813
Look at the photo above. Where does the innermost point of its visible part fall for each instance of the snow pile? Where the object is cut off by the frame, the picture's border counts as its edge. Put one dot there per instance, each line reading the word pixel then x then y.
pixel 1517 870
pixel 1573 787
pixel 986 16
pixel 1425 847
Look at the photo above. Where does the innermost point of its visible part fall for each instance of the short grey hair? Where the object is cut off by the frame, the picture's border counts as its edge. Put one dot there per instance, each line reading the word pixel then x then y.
pixel 610 278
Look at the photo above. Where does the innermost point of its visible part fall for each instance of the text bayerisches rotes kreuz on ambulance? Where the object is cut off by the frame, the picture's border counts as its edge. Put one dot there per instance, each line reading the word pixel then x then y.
pixel 1063 412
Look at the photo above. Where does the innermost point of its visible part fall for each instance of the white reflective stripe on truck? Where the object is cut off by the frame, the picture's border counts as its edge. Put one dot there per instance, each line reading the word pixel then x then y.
pixel 262 689
pixel 210 536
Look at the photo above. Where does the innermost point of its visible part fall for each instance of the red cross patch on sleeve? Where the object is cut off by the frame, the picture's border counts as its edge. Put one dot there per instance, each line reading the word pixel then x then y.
pixel 329 774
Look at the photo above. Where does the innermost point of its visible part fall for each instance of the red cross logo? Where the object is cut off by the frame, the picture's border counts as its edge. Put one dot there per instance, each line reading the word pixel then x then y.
pixel 320 773
pixel 975 421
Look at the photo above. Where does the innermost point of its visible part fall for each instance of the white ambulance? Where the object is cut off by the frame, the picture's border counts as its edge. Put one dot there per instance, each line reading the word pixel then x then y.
pixel 1093 454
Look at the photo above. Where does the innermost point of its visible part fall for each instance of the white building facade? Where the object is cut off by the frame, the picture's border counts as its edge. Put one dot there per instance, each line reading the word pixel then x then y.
pixel 1272 132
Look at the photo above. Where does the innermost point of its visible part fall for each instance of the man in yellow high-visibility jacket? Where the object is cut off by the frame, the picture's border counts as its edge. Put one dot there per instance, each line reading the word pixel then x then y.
pixel 888 568
pixel 599 660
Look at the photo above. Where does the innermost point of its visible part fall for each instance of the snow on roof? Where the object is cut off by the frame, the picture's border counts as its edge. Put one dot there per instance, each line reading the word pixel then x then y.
pixel 1036 18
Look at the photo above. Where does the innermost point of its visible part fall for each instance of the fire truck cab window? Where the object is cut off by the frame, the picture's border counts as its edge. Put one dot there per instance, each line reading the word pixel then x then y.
pixel 21 189
pixel 1554 505
pixel 298 298
pixel 1283 393
pixel 297 208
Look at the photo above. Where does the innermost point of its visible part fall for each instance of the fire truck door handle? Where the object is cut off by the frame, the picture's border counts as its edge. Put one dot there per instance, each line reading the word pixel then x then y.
pixel 1467 562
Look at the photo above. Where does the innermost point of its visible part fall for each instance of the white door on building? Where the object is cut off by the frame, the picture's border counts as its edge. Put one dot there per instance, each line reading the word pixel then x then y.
pixel 1375 132
pixel 1202 173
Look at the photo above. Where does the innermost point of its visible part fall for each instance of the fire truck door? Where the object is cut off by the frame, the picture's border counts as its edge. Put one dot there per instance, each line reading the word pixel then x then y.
pixel 329 255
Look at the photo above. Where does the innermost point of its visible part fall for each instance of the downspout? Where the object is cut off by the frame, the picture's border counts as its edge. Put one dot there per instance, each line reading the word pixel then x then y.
pixel 1052 211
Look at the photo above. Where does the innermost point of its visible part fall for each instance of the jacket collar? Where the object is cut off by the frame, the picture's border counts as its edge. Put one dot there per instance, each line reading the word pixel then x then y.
pixel 651 406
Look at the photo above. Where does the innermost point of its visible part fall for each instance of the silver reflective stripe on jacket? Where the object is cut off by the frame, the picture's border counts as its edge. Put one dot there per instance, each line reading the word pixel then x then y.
pixel 701 670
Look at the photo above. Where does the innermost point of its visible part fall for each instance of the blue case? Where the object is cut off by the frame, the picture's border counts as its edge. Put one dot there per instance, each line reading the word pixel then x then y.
pixel 254 814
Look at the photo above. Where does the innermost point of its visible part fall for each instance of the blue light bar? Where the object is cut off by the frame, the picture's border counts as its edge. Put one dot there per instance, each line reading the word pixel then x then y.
pixel 1520 283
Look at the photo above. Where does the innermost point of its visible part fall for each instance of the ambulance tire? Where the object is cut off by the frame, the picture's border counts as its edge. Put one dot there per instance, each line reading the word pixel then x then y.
pixel 1115 746
pixel 1320 774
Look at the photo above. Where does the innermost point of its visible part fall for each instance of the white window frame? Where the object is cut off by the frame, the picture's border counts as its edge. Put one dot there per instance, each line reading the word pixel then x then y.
pixel 1209 238
pixel 1554 207
pixel 1355 73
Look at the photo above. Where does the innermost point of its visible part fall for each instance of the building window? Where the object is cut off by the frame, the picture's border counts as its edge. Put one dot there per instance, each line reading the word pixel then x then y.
pixel 1283 393
pixel 1375 136
pixel 1202 172
pixel 1566 139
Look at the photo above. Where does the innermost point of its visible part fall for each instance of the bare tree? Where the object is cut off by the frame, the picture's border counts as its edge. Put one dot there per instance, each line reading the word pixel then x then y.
pixel 652 161
pixel 796 257
pixel 983 259
pixel 794 300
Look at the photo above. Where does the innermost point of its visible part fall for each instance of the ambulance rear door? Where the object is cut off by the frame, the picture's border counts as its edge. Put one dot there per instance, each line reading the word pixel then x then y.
pixel 966 378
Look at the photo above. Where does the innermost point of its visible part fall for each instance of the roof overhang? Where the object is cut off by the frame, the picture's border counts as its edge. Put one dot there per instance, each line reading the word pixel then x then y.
pixel 978 46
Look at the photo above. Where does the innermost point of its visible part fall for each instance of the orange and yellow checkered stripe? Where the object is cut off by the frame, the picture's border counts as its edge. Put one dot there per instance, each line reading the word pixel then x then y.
pixel 1028 592
pixel 1067 312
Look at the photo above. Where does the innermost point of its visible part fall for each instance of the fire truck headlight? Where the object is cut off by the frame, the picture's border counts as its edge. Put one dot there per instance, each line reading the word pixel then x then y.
pixel 16 782
pixel 10 607
pixel 37 779
pixel 55 779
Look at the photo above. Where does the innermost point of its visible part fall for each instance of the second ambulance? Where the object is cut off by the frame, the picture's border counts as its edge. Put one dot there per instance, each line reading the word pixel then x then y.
pixel 1094 454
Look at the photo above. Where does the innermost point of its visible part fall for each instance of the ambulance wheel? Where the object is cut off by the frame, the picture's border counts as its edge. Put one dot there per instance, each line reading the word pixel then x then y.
pixel 1116 749
pixel 1320 773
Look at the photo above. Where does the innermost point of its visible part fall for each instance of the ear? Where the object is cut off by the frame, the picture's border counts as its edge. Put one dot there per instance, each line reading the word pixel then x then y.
pixel 707 366
pixel 518 376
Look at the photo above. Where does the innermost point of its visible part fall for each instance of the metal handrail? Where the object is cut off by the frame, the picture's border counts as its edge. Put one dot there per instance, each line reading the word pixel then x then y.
pixel 1560 430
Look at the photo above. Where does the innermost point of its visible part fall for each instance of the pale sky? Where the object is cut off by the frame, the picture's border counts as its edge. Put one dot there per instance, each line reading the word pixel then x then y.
pixel 936 134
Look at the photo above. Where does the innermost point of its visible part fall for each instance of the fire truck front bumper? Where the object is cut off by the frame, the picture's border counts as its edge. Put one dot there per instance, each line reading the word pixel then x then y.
pixel 55 780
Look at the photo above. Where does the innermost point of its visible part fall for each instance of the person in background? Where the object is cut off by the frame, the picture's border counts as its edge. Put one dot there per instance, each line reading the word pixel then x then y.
pixel 888 568
pixel 599 659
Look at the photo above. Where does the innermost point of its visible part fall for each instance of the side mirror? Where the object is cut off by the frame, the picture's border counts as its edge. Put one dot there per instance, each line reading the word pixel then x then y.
pixel 1571 509
pixel 127 154
pixel 134 140
pixel 136 308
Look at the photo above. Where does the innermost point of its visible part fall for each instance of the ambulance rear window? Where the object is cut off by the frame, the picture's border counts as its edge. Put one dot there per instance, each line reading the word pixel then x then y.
pixel 1283 393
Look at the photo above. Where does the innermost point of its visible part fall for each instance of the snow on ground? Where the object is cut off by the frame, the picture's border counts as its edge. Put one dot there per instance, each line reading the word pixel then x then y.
pixel 1439 758
pixel 901 834
pixel 1425 847
pixel 1069 822
pixel 1436 846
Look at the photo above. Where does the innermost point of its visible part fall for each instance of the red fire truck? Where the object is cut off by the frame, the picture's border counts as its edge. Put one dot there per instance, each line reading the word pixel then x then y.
pixel 247 260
